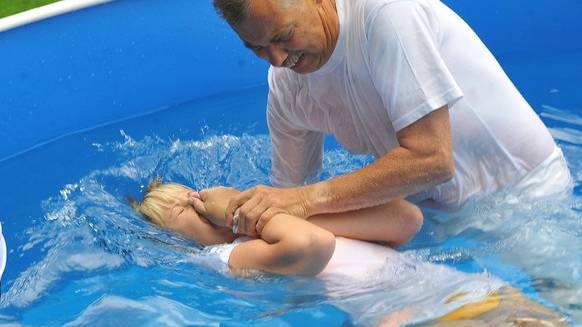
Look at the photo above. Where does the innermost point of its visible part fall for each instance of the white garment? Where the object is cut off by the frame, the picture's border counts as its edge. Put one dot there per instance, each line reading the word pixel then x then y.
pixel 396 61
pixel 3 253
pixel 550 177
pixel 222 251
pixel 358 270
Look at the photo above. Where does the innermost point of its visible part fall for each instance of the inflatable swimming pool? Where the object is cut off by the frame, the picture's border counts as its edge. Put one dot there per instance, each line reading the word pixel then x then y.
pixel 97 100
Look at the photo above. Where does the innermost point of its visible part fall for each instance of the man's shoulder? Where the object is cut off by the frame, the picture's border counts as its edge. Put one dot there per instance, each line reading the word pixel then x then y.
pixel 375 14
pixel 372 6
pixel 390 2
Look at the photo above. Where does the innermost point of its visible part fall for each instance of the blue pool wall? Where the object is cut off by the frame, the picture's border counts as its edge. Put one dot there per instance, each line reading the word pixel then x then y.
pixel 122 59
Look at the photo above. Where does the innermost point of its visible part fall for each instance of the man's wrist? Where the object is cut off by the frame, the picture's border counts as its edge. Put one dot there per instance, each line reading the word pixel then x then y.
pixel 316 198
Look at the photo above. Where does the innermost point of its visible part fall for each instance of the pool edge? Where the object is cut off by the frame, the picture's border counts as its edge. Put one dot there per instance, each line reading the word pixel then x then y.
pixel 46 11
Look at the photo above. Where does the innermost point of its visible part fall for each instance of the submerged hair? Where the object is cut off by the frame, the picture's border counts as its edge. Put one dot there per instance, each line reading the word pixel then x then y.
pixel 157 199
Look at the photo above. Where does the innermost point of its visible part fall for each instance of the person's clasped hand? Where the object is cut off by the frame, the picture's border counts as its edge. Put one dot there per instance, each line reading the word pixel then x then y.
pixel 211 203
pixel 252 209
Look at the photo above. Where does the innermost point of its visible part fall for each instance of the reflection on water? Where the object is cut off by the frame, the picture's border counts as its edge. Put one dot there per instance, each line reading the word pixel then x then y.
pixel 95 260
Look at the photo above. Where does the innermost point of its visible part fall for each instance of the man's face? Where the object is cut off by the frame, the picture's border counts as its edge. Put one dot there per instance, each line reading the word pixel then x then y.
pixel 301 37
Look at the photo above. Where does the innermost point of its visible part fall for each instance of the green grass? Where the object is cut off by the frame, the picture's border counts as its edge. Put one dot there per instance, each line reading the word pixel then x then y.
pixel 10 7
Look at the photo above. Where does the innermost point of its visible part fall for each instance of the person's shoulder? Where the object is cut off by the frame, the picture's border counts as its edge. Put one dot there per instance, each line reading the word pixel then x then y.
pixel 404 16
pixel 404 3
pixel 393 7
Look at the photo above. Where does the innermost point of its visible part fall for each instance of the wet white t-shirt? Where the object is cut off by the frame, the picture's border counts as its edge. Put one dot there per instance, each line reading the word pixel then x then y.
pixel 396 61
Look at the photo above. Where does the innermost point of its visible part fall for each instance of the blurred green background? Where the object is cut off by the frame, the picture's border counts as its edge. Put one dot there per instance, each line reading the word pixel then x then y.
pixel 10 7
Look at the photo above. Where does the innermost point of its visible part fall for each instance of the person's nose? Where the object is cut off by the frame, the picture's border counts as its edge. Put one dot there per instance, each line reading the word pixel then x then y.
pixel 276 55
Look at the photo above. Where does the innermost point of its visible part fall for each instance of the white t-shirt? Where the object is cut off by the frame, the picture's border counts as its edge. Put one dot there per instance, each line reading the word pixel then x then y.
pixel 359 274
pixel 395 61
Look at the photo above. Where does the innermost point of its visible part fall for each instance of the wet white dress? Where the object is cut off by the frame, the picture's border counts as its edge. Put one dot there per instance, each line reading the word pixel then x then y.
pixel 362 278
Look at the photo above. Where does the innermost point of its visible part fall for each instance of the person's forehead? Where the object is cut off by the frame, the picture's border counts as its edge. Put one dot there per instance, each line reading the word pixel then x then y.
pixel 178 197
pixel 181 197
pixel 264 22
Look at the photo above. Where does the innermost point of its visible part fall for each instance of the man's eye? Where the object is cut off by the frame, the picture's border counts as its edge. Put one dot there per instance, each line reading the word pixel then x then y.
pixel 287 37
pixel 257 48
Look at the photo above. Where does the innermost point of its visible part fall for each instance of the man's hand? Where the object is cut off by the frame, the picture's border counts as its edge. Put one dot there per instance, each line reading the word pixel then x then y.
pixel 211 203
pixel 257 205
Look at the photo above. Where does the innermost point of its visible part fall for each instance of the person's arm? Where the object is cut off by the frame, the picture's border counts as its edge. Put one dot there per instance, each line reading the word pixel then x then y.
pixel 296 153
pixel 394 223
pixel 289 246
pixel 423 159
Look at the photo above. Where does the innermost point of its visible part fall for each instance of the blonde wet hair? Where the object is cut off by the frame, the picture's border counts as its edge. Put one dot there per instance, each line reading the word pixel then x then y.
pixel 158 197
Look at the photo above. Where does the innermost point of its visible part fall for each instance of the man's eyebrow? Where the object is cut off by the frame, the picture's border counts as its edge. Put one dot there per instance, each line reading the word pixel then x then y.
pixel 275 38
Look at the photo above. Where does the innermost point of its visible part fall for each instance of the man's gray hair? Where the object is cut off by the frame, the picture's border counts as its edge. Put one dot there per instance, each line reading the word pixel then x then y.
pixel 235 11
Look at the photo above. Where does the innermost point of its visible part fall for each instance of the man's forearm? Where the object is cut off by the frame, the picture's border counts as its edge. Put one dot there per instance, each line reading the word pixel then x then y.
pixel 395 175
pixel 423 159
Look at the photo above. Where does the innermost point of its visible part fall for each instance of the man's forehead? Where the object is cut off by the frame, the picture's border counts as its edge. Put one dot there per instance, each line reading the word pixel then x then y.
pixel 263 37
pixel 264 21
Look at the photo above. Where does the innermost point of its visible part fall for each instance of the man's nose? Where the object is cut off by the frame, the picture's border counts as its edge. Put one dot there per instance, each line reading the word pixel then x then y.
pixel 276 55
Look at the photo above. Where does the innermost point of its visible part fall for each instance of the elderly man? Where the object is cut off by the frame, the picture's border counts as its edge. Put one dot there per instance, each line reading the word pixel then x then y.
pixel 405 80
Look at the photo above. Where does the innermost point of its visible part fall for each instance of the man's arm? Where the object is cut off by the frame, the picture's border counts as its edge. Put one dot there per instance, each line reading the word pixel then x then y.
pixel 289 246
pixel 423 159
pixel 394 223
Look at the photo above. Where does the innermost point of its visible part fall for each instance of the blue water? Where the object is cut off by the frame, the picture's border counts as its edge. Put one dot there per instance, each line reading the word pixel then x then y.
pixel 78 255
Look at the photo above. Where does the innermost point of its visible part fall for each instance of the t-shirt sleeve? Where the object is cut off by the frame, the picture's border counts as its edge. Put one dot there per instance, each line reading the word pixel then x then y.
pixel 404 60
pixel 296 151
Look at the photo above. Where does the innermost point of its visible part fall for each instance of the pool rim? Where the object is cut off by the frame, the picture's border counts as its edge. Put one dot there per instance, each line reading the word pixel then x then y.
pixel 46 11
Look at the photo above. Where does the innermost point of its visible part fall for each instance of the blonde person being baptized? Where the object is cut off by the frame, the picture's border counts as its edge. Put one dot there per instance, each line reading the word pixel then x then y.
pixel 327 246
